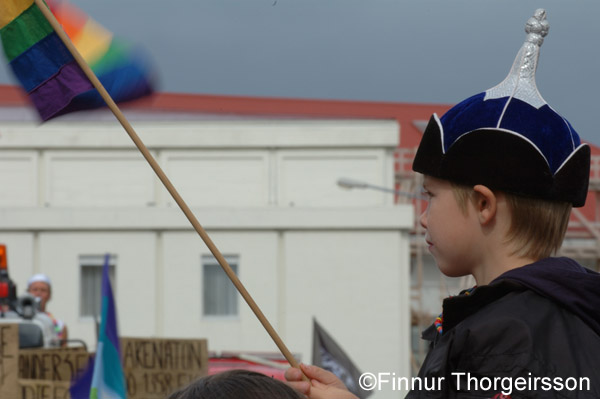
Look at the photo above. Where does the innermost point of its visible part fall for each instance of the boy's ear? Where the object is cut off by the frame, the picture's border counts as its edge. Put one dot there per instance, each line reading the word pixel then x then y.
pixel 486 203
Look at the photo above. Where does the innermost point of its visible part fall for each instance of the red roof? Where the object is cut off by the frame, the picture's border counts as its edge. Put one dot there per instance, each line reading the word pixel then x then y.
pixel 405 113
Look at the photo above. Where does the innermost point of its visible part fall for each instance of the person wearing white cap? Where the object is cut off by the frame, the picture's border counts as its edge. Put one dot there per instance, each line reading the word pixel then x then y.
pixel 40 286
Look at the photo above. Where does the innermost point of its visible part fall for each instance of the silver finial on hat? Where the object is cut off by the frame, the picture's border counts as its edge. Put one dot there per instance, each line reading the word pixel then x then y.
pixel 520 82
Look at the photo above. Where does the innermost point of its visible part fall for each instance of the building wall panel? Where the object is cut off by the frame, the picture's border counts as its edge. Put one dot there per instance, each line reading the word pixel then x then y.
pixel 309 177
pixel 359 294
pixel 18 178
pixel 93 178
pixel 218 178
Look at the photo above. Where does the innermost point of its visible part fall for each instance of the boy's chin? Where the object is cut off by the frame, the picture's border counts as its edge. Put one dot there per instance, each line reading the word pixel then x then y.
pixel 452 272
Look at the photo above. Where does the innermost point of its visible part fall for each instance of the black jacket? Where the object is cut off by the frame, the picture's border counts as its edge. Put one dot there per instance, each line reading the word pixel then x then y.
pixel 534 332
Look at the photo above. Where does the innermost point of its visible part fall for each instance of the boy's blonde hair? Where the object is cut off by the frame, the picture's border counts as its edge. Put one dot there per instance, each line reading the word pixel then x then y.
pixel 537 227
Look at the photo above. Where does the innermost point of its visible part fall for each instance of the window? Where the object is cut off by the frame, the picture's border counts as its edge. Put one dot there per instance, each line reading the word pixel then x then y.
pixel 220 297
pixel 91 283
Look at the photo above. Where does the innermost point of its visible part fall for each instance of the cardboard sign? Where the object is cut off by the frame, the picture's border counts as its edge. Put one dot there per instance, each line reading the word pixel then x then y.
pixel 156 367
pixel 43 389
pixel 59 364
pixel 153 367
pixel 9 360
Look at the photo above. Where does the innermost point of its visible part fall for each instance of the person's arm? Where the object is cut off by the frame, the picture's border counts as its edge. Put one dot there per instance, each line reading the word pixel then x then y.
pixel 65 336
pixel 322 385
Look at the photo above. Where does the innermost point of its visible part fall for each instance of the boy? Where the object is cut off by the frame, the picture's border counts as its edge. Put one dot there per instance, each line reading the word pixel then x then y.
pixel 502 170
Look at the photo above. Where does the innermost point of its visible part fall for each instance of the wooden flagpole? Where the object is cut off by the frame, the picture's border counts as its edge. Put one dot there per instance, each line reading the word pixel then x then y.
pixel 165 181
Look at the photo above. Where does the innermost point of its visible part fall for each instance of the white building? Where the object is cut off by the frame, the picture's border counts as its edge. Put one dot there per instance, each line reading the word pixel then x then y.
pixel 265 190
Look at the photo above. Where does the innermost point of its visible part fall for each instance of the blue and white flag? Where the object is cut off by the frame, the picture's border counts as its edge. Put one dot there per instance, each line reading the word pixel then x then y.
pixel 105 378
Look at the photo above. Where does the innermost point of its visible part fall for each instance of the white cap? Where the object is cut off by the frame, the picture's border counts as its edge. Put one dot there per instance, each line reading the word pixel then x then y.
pixel 40 277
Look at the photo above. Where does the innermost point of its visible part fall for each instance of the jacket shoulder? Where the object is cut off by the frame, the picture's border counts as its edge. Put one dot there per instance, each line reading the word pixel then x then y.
pixel 520 334
pixel 524 328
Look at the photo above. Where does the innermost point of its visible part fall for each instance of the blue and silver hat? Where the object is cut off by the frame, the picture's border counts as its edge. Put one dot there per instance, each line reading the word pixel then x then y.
pixel 508 138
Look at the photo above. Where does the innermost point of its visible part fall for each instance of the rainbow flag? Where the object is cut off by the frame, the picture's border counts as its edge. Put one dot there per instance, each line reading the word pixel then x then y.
pixel 46 69
pixel 104 378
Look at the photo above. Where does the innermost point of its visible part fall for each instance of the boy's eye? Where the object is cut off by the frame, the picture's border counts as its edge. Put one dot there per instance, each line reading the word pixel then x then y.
pixel 426 194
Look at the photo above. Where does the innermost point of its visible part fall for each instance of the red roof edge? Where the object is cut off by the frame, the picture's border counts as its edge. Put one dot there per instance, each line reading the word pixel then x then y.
pixel 272 106
pixel 404 113
pixel 287 106
pixel 12 96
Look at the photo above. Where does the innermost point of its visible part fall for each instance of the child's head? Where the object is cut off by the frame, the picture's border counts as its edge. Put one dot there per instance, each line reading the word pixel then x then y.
pixel 510 141
pixel 536 227
pixel 236 384
pixel 484 232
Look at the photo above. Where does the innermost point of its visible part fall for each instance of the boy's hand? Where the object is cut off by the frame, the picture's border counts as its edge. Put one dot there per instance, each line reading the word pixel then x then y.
pixel 323 384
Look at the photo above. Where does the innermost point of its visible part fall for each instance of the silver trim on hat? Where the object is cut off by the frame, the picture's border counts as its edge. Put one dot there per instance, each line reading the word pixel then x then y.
pixel 520 82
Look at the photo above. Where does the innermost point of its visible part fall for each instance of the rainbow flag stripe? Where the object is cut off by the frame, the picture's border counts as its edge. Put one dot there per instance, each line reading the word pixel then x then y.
pixel 47 71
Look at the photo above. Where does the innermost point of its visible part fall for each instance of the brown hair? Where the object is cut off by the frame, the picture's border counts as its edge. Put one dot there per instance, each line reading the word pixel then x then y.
pixel 537 227
pixel 236 384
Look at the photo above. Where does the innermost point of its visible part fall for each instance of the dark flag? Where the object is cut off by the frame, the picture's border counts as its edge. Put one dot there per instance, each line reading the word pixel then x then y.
pixel 328 355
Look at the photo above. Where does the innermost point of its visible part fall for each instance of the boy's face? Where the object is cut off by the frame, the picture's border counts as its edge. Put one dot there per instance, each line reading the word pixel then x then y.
pixel 451 234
